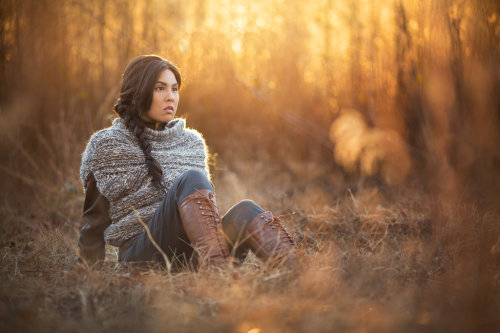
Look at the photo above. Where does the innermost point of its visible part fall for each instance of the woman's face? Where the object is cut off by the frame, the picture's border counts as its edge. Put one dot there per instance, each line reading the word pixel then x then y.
pixel 165 99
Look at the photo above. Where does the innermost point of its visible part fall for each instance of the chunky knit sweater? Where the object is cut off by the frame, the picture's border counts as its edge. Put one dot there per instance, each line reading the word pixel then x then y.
pixel 114 157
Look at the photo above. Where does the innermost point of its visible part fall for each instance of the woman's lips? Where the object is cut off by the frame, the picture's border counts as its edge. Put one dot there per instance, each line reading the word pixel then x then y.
pixel 169 109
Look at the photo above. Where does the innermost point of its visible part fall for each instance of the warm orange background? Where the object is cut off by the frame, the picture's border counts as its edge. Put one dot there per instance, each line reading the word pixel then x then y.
pixel 410 85
pixel 376 121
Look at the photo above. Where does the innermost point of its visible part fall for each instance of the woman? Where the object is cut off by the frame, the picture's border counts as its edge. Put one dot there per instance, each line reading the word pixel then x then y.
pixel 149 167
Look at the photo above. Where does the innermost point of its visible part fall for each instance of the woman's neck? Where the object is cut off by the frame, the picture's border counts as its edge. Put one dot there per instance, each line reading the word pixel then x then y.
pixel 155 125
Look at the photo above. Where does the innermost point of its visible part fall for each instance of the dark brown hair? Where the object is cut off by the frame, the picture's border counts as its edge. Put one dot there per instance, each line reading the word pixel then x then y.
pixel 136 96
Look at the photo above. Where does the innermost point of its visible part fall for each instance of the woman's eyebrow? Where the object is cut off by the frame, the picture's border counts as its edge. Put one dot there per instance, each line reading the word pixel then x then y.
pixel 166 84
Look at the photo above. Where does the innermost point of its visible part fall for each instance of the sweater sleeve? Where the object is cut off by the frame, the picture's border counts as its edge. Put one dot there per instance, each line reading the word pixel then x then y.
pixel 116 164
pixel 96 219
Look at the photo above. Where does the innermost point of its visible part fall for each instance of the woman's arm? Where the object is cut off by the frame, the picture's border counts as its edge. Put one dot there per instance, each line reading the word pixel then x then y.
pixel 96 219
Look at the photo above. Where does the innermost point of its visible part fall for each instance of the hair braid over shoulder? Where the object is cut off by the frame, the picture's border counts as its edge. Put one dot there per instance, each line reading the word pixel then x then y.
pixel 136 125
pixel 136 95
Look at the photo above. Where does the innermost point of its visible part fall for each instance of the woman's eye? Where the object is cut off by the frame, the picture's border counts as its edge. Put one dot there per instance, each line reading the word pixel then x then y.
pixel 175 89
pixel 159 88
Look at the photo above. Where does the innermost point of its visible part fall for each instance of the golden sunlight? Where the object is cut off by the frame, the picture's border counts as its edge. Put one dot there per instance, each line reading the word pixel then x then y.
pixel 370 128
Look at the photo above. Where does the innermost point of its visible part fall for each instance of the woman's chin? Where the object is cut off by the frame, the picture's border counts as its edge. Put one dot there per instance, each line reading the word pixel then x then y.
pixel 166 118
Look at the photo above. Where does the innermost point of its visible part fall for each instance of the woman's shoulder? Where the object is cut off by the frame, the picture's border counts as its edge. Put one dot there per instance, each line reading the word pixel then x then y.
pixel 115 133
pixel 109 142
pixel 194 135
pixel 114 143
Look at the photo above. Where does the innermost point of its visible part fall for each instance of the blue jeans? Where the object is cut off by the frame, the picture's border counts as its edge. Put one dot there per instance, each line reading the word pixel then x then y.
pixel 168 232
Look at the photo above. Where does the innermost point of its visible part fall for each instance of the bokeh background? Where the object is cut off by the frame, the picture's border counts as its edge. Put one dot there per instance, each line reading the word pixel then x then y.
pixel 390 108
pixel 409 86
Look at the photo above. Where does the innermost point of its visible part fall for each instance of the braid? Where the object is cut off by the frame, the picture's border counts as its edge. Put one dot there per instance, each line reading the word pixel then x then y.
pixel 136 95
pixel 136 125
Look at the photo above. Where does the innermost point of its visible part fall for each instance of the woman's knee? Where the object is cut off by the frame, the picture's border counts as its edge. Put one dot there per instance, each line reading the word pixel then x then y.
pixel 235 223
pixel 191 181
pixel 195 175
pixel 246 207
pixel 242 213
pixel 196 180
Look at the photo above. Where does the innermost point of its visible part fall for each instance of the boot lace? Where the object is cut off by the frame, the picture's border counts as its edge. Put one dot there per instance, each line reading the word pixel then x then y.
pixel 276 222
pixel 213 219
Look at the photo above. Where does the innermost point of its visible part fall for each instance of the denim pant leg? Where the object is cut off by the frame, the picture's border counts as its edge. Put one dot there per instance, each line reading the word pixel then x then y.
pixel 166 225
pixel 235 223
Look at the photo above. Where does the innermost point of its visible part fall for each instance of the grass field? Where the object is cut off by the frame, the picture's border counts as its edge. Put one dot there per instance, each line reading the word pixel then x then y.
pixel 371 259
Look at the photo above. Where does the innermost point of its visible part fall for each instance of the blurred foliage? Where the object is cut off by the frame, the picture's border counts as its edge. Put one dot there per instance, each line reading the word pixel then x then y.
pixel 265 80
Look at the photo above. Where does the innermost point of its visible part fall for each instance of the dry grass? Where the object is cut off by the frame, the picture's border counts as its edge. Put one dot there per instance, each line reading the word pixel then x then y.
pixel 409 91
pixel 370 260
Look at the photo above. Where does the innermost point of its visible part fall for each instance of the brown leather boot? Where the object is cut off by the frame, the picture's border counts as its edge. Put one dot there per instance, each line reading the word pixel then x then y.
pixel 203 226
pixel 270 241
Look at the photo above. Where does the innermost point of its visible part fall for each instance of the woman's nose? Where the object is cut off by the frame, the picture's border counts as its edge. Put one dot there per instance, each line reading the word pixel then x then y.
pixel 169 95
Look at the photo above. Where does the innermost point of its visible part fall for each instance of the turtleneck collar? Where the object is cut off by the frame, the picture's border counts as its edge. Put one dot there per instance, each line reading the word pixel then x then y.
pixel 172 128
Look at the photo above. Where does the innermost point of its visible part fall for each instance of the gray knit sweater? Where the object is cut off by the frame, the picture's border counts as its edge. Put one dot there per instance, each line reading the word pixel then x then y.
pixel 114 157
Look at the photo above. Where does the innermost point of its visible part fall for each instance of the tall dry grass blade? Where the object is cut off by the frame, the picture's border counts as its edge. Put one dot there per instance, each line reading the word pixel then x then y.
pixel 354 200
pixel 27 180
pixel 51 151
pixel 43 140
pixel 148 232
pixel 30 181
pixel 26 154
pixel 83 300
